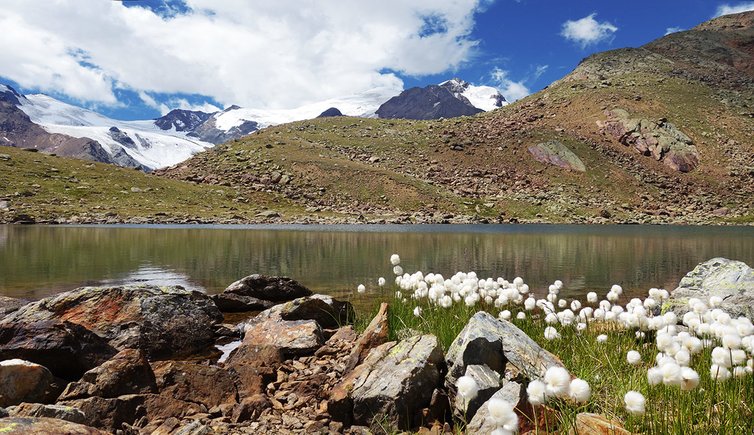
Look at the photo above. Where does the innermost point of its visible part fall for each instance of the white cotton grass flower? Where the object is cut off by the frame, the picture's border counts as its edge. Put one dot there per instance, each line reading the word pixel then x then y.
pixel 502 414
pixel 535 391
pixel 591 297
pixel 505 315
pixel 633 357
pixel 671 374
pixel 467 389
pixel 521 315
pixel 397 270
pixel 575 305
pixel 635 402
pixel 551 333
pixel 557 381
pixel 395 259
pixel 361 288
pixel 601 338
pixel 502 431
pixel 579 390
pixel 690 379
pixel 418 311
pixel 654 376
pixel 719 373
pixel 381 281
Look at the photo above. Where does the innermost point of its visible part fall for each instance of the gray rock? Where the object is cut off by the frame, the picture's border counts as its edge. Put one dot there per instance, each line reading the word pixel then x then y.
pixel 3 413
pixel 488 381
pixel 495 342
pixel 268 288
pixel 556 153
pixel 293 338
pixel 512 392
pixel 61 412
pixel 235 303
pixel 731 280
pixel 9 305
pixel 328 312
pixel 23 381
pixel 398 382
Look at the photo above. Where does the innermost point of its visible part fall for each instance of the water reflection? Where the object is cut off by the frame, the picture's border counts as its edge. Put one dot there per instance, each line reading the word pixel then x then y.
pixel 38 261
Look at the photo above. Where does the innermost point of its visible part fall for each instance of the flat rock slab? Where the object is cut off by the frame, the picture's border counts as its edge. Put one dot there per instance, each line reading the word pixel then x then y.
pixel 731 280
pixel 556 153
pixel 42 425
pixel 161 321
pixel 61 412
pixel 23 381
pixel 292 338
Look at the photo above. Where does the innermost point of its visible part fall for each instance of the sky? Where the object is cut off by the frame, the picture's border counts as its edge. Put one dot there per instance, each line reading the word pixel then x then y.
pixel 138 59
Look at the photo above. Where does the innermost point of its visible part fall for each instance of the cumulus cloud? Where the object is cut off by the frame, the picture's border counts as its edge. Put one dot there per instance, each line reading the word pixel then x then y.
pixel 587 31
pixel 264 54
pixel 727 9
pixel 512 90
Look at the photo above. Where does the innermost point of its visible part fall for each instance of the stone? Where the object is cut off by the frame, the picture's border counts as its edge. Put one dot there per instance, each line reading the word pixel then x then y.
pixel 66 349
pixel 511 392
pixel 731 280
pixel 250 408
pixel 128 372
pixel 208 385
pixel 43 425
pixel 375 334
pixel 24 381
pixel 397 381
pixel 489 383
pixel 61 412
pixel 254 367
pixel 325 310
pixel 9 305
pixel 486 340
pixel 293 338
pixel 556 153
pixel 235 303
pixel 595 424
pixel 161 321
pixel 268 288
pixel 111 413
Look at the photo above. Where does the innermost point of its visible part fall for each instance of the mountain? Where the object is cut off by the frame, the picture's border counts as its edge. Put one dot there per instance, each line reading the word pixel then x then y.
pixel 449 99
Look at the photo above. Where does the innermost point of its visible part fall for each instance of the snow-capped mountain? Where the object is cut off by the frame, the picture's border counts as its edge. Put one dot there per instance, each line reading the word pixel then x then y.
pixel 482 97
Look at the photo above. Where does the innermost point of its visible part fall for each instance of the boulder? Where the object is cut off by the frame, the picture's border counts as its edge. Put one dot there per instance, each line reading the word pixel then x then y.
pixel 377 333
pixel 235 303
pixel 268 288
pixel 202 384
pixel 486 340
pixel 292 338
pixel 111 413
pixel 326 311
pixel 128 372
pixel 9 305
pixel 396 381
pixel 161 321
pixel 556 153
pixel 489 383
pixel 595 424
pixel 43 425
pixel 254 367
pixel 731 280
pixel 24 381
pixel 66 349
pixel 480 424
pixel 61 412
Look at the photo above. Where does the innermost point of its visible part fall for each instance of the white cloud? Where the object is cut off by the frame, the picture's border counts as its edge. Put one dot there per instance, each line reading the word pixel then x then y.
pixel 587 31
pixel 264 54
pixel 511 90
pixel 727 9
pixel 670 30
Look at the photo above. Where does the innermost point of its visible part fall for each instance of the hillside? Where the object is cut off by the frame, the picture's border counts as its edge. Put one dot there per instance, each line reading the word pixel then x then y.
pixel 663 133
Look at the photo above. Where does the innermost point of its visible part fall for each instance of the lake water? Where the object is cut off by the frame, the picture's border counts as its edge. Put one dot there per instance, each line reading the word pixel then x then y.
pixel 37 261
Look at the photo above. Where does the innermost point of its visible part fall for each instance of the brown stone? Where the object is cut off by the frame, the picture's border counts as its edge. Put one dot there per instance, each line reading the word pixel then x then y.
pixel 44 426
pixel 250 408
pixel 207 385
pixel 595 424
pixel 374 335
pixel 23 381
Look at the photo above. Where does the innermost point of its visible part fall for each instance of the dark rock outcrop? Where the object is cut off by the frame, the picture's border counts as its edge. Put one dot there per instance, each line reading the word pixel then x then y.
pixel 257 292
pixel 330 113
pixel 128 372
pixel 431 102
pixel 182 120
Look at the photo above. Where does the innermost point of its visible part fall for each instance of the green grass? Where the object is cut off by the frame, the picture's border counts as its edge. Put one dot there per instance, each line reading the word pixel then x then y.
pixel 713 407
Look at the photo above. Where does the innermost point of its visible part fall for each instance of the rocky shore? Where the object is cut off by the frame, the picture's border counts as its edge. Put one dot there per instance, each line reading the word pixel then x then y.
pixel 161 360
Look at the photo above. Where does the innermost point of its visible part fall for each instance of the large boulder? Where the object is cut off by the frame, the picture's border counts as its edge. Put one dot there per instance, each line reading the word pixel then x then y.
pixel 731 280
pixel 325 310
pixel 24 381
pixel 161 321
pixel 395 382
pixel 292 338
pixel 128 372
pixel 43 425
pixel 556 153
pixel 66 349
pixel 256 292
pixel 486 340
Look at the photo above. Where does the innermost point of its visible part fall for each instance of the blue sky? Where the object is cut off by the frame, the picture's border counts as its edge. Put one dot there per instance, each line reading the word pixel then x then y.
pixel 138 59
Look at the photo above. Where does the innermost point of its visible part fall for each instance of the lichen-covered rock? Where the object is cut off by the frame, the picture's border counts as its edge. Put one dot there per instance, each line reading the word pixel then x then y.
pixel 9 305
pixel 397 381
pixel 43 425
pixel 235 303
pixel 66 349
pixel 556 153
pixel 488 382
pixel 161 321
pixel 486 340
pixel 731 280
pixel 23 381
pixel 481 424
pixel 128 372
pixel 375 334
pixel 61 412
pixel 659 139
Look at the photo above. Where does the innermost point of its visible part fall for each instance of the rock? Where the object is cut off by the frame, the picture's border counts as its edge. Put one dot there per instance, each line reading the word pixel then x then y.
pixel 397 381
pixel 659 139
pixel 556 153
pixel 299 337
pixel 268 214
pixel 208 385
pixel 42 425
pixel 3 413
pixel 23 381
pixel 512 392
pixel 268 288
pixel 9 305
pixel 161 321
pixel 254 367
pixel 250 408
pixel 61 412
pixel 489 383
pixel 376 334
pixel 325 310
pixel 111 413
pixel 128 372
pixel 595 424
pixel 66 349
pixel 729 279
pixel 235 303
pixel 486 340
pixel 330 113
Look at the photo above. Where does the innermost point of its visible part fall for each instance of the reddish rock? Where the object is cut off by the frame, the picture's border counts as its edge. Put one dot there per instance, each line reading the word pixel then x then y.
pixel 374 335
pixel 207 385
pixel 128 372
pixel 23 381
